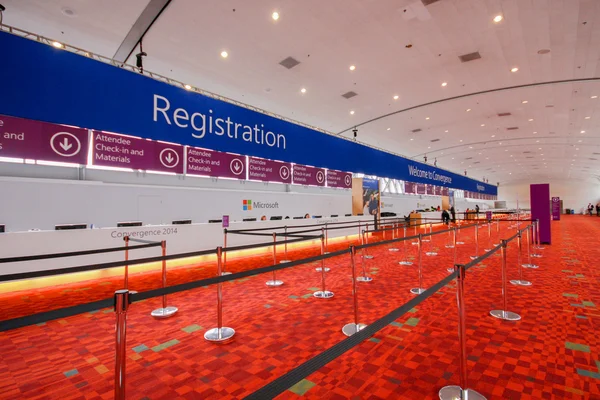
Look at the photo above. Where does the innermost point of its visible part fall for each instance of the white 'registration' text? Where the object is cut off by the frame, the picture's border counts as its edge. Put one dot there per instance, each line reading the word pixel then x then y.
pixel 201 124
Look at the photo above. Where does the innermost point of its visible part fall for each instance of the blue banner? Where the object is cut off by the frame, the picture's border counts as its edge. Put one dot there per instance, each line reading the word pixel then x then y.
pixel 44 83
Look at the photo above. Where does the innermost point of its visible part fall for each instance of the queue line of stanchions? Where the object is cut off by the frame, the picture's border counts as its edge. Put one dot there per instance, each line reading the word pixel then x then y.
pixel 123 298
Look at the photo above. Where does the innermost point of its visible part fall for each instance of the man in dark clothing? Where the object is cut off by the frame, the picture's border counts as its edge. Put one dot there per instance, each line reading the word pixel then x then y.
pixel 445 217
pixel 453 212
pixel 477 210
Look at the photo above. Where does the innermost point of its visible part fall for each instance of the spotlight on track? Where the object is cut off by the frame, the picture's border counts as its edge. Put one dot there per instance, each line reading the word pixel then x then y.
pixel 139 60
pixel 355 133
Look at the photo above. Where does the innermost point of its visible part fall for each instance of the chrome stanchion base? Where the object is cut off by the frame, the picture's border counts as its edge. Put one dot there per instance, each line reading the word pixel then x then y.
pixel 323 294
pixel 164 312
pixel 532 266
pixel 460 242
pixel 274 283
pixel 505 315
pixel 495 245
pixel 520 283
pixel 405 263
pixel 430 253
pixel 226 273
pixel 352 328
pixel 219 335
pixel 284 261
pixel 536 255
pixel 414 243
pixel 473 257
pixel 538 247
pixel 457 393
pixel 318 269
pixel 449 246
pixel 486 250
pixel 393 249
pixel 364 279
pixel 327 252
pixel 368 257
pixel 417 290
pixel 426 240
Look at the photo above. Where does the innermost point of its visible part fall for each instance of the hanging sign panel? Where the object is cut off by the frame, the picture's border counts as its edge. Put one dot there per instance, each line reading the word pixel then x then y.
pixel 305 175
pixel 22 138
pixel 215 163
pixel 264 170
pixel 339 179
pixel 110 150
pixel 119 100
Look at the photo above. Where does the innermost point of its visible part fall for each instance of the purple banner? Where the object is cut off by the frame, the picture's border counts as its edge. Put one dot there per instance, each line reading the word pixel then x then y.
pixel 488 215
pixel 445 191
pixel 410 188
pixel 261 169
pixel 215 163
pixel 22 138
pixel 421 188
pixel 339 179
pixel 112 150
pixel 305 175
pixel 225 221
pixel 556 208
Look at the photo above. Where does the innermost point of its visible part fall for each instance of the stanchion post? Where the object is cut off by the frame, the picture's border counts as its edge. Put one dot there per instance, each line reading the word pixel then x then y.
pixel 319 269
pixel 366 241
pixel 353 327
pixel 520 281
pixel 454 229
pixel 476 241
pixel 165 311
pixel 461 392
pixel 326 239
pixel 126 277
pixel 220 333
pixel 323 293
pixel 529 264
pixel 225 253
pixel 394 228
pixel 285 254
pixel 404 259
pixel 274 281
pixel 504 314
pixel 419 289
pixel 121 306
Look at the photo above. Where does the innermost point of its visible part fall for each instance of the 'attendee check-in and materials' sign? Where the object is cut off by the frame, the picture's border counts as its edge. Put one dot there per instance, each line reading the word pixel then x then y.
pixel 264 170
pixel 215 163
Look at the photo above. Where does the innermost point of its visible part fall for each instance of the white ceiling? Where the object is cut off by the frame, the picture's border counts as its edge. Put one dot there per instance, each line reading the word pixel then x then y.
pixel 328 36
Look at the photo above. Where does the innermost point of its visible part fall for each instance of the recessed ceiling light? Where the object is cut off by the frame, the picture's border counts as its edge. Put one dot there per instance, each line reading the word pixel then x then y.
pixel 412 139
pixel 587 117
pixel 530 119
pixel 524 102
pixel 224 54
pixel 444 83
pixel 579 141
pixel 461 140
pixel 498 18
pixel 514 69
pixel 352 112
pixel 537 141
pixel 468 109
pixel 493 135
pixel 427 118
pixel 389 129
pixel 58 45
pixel 576 148
pixel 396 97
pixel 303 90
pixel 539 148
pixel 500 143
pixel 582 132
pixel 534 133
pixel 470 147
pixel 428 147
pixel 594 97
pixel 352 67
pixel 482 124
pixel 188 87
pixel 275 15
pixel 446 131
pixel 453 158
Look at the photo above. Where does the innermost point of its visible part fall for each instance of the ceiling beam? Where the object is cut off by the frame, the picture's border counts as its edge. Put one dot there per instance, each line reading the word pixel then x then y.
pixel 144 22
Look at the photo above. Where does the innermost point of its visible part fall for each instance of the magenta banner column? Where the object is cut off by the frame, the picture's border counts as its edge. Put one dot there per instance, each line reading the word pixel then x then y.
pixel 540 209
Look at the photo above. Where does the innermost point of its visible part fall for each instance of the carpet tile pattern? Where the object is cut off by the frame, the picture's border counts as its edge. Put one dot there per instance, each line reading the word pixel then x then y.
pixel 551 353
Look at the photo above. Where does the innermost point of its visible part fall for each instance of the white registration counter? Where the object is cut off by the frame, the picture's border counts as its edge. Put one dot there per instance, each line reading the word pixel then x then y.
pixel 179 238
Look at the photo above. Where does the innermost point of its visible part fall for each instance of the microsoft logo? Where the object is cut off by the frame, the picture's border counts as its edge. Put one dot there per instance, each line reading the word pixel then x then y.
pixel 247 205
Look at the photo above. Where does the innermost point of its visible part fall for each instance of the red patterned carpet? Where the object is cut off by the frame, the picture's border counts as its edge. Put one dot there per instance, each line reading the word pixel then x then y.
pixel 552 353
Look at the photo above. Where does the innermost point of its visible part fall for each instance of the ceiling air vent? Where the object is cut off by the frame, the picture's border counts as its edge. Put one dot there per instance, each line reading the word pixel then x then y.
pixel 512 128
pixel 594 159
pixel 470 57
pixel 549 106
pixel 289 62
pixel 506 114
pixel 477 162
pixel 434 140
pixel 428 2
pixel 596 154
pixel 530 157
pixel 416 130
pixel 469 158
pixel 349 95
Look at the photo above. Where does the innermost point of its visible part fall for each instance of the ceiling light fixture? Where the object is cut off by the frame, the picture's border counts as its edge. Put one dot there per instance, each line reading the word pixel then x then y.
pixel 427 118
pixel 224 54
pixel 524 102
pixel 468 109
pixel 493 135
pixel 461 140
pixel 352 67
pixel 188 87
pixel 482 124
pixel 587 117
pixel 275 15
pixel 303 90
pixel 446 131
pixel 582 132
pixel 444 84
pixel 514 69
pixel 58 45
pixel 412 139
pixel 396 97
pixel 498 18
pixel 530 119
pixel 352 112
pixel 389 129
pixel 594 97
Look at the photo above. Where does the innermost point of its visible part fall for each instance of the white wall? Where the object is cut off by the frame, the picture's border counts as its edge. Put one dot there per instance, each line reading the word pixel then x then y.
pixel 576 194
